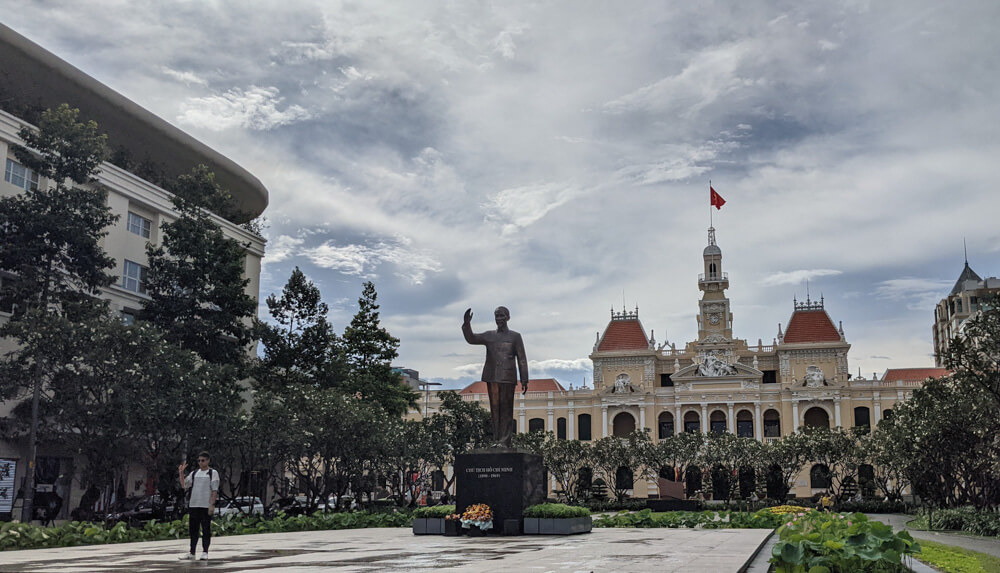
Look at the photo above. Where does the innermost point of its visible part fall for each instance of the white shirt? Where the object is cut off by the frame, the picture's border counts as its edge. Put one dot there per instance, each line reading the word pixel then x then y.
pixel 201 487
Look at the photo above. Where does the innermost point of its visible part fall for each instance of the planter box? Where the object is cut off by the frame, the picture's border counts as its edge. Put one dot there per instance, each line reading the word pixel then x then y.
pixel 567 526
pixel 428 526
pixel 453 527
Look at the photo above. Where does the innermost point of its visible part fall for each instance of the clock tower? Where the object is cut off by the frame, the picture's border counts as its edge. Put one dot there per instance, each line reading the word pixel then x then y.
pixel 714 319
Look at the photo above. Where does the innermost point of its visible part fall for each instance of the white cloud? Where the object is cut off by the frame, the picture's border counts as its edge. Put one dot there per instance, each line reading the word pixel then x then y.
pixel 363 260
pixel 917 293
pixel 255 108
pixel 797 277
pixel 281 248
pixel 504 44
pixel 187 77
pixel 557 364
pixel 519 207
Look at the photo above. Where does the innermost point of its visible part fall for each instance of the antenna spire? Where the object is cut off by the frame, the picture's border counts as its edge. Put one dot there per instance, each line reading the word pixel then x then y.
pixel 965 248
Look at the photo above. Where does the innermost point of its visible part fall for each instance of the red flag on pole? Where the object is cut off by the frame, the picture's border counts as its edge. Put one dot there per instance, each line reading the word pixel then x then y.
pixel 717 200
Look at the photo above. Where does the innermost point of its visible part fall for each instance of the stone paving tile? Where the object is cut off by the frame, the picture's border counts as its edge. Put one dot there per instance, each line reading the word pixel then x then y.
pixel 366 550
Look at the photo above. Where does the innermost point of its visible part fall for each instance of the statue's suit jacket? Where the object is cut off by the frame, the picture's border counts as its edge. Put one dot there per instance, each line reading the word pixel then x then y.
pixel 504 355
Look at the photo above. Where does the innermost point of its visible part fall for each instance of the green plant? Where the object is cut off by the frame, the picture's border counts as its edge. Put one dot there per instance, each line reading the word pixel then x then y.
pixel 556 511
pixel 951 559
pixel 437 511
pixel 817 542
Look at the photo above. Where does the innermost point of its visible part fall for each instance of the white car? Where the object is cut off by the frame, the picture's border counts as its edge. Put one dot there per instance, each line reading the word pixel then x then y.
pixel 245 505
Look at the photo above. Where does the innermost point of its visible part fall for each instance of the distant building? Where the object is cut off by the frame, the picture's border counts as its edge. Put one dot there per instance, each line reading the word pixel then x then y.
pixel 964 300
pixel 717 383
pixel 410 376
pixel 33 79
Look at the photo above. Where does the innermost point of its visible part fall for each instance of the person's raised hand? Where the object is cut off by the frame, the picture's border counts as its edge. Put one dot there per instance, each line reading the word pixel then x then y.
pixel 182 467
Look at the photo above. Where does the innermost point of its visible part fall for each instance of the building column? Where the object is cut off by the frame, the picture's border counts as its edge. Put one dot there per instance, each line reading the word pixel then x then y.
pixel 604 420
pixel 521 427
pixel 552 423
pixel 836 412
pixel 678 422
pixel 877 400
pixel 729 419
pixel 642 416
pixel 795 415
pixel 758 423
pixel 704 418
pixel 571 423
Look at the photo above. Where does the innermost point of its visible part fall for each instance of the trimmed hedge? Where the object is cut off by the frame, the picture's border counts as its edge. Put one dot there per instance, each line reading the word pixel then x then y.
pixel 436 511
pixel 556 511
pixel 28 536
pixel 704 519
pixel 968 519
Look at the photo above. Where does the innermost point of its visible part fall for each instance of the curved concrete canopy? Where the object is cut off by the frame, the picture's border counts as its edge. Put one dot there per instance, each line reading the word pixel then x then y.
pixel 34 77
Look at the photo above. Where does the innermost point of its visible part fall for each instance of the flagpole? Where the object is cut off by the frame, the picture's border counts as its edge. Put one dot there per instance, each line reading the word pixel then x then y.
pixel 710 214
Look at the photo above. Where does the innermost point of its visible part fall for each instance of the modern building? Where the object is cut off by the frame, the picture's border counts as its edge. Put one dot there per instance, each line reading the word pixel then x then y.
pixel 964 300
pixel 716 383
pixel 32 79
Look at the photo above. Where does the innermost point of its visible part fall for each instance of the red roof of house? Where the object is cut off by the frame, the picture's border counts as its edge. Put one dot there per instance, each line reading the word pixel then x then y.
pixel 811 326
pixel 623 335
pixel 913 374
pixel 534 385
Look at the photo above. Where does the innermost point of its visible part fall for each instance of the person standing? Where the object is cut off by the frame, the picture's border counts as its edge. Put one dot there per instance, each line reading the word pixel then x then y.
pixel 204 485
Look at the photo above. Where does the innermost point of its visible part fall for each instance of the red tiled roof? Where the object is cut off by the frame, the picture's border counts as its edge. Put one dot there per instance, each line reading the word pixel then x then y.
pixel 811 326
pixel 913 374
pixel 534 385
pixel 623 335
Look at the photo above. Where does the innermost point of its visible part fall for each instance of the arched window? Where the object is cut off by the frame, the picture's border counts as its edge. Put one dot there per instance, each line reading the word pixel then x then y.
pixel 887 414
pixel 816 418
pixel 862 417
pixel 744 424
pixel 514 424
pixel 712 271
pixel 721 480
pixel 536 425
pixel 866 479
pixel 561 428
pixel 748 482
pixel 668 473
pixel 584 479
pixel 772 424
pixel 437 480
pixel 819 477
pixel 583 425
pixel 692 480
pixel 717 422
pixel 624 478
pixel 623 425
pixel 692 422
pixel 666 425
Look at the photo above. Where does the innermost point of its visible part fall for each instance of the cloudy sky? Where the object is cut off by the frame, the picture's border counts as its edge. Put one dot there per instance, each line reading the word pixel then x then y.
pixel 554 157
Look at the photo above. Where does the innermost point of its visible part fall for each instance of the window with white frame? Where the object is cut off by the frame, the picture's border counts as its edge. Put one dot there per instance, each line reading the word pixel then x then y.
pixel 19 175
pixel 134 277
pixel 139 225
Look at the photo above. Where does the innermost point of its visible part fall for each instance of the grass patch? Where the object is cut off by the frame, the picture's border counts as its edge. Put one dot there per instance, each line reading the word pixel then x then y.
pixel 951 559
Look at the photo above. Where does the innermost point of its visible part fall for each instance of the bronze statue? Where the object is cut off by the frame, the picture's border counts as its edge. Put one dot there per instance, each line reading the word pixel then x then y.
pixel 505 359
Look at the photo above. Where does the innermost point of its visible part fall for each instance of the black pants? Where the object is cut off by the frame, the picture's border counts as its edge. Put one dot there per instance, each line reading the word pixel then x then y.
pixel 200 516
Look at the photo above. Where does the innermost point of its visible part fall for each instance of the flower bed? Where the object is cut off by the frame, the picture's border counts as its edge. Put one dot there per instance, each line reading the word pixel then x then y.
pixel 821 542
pixel 478 516
pixel 556 519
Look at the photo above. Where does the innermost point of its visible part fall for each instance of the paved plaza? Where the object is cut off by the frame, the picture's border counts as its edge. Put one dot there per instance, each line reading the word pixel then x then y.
pixel 661 550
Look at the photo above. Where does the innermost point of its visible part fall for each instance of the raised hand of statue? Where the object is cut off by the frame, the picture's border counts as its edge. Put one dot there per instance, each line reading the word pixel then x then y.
pixel 468 315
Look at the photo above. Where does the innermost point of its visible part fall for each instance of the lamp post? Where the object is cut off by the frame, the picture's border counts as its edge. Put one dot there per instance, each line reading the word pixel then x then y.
pixel 426 386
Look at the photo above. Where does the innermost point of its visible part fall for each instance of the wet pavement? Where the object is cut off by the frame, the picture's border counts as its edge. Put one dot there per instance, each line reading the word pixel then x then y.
pixel 661 550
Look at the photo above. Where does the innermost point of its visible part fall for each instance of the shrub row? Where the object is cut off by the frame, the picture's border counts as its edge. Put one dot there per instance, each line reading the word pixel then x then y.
pixel 437 511
pixel 967 519
pixel 821 542
pixel 556 511
pixel 28 536
pixel 762 519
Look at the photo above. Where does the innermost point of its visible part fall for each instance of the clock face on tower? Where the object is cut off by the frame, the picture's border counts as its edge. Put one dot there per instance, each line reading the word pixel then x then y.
pixel 714 318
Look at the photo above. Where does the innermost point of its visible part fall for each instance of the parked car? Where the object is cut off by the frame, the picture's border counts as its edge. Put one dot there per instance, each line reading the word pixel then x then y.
pixel 137 510
pixel 289 505
pixel 244 505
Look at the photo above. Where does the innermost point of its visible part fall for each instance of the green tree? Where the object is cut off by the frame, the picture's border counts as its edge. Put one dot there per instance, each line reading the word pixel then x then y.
pixel 196 285
pixel 413 449
pixel 370 350
pixel 465 425
pixel 837 449
pixel 725 454
pixel 974 354
pixel 564 459
pixel 300 346
pixel 612 453
pixel 50 237
pixel 782 461
pixel 679 452
pixel 879 450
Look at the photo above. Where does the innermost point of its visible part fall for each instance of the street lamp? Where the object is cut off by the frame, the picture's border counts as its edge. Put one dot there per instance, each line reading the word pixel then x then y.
pixel 426 386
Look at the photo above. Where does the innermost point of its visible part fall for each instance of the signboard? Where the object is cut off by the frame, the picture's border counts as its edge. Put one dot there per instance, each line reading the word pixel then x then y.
pixel 8 468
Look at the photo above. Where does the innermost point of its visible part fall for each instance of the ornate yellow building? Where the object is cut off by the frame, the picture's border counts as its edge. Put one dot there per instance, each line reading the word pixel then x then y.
pixel 717 383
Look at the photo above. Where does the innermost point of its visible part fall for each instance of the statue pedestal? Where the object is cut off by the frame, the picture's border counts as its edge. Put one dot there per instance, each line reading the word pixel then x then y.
pixel 506 480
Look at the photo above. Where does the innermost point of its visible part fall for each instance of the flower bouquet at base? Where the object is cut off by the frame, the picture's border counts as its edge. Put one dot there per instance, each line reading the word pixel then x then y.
pixel 479 515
